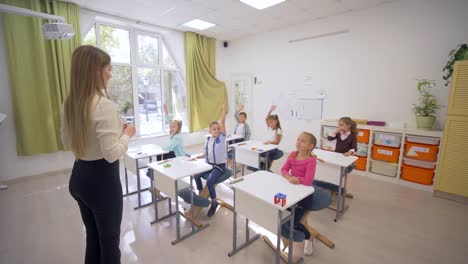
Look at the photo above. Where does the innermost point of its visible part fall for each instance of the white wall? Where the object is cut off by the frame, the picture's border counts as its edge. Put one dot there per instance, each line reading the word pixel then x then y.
pixel 368 73
pixel 12 166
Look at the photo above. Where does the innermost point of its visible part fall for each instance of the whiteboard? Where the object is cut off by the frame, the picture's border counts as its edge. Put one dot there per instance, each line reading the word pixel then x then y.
pixel 302 105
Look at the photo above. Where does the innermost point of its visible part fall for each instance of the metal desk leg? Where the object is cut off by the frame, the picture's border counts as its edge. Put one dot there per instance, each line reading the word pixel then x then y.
pixel 248 241
pixel 339 198
pixel 278 238
pixel 291 230
pixel 343 205
pixel 234 165
pixel 191 204
pixel 138 185
pixel 177 214
pixel 267 160
pixel 153 196
pixel 152 184
pixel 194 231
pixel 234 227
pixel 291 241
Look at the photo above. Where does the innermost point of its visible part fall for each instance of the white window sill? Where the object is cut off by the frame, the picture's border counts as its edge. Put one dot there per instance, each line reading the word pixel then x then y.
pixel 154 136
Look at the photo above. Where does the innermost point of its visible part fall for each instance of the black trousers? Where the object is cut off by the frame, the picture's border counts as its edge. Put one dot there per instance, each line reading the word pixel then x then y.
pixel 169 155
pixel 96 187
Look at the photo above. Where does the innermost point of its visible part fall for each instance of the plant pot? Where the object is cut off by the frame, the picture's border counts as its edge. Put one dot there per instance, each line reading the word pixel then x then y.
pixel 425 122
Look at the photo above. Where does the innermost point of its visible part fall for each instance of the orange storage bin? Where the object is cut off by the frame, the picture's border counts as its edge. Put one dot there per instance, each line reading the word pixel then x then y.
pixel 421 151
pixel 361 163
pixel 385 153
pixel 363 136
pixel 417 174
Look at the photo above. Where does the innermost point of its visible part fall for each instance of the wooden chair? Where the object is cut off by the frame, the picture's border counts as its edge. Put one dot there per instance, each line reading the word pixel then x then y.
pixel 322 199
pixel 201 200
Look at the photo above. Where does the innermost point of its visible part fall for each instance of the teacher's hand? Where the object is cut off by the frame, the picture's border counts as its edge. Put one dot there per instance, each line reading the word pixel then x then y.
pixel 130 130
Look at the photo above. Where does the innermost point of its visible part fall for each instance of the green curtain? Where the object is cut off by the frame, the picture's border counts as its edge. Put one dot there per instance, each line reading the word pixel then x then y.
pixel 39 74
pixel 205 93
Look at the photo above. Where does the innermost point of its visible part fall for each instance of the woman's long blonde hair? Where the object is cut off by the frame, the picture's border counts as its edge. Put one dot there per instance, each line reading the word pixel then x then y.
pixel 87 80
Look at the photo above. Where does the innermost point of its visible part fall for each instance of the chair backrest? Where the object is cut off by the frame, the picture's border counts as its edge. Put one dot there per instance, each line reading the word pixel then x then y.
pixel 322 199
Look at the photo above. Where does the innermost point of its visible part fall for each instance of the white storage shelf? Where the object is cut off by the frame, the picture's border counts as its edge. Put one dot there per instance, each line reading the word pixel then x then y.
pixel 391 137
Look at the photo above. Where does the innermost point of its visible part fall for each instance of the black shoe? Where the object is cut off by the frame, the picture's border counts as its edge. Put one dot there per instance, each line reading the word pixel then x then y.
pixel 213 207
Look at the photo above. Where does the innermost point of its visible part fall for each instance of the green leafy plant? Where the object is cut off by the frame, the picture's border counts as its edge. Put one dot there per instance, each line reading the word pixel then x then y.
pixel 457 54
pixel 428 104
pixel 125 107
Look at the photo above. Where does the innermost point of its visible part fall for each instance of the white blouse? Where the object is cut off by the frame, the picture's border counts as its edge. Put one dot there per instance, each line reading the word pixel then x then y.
pixel 272 133
pixel 105 134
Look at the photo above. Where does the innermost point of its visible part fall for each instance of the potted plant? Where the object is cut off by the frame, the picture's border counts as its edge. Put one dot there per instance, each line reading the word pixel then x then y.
pixel 426 109
pixel 457 54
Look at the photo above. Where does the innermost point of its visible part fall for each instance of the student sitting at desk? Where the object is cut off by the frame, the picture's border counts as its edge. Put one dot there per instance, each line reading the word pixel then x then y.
pixel 216 155
pixel 300 169
pixel 176 146
pixel 242 128
pixel 274 135
pixel 346 136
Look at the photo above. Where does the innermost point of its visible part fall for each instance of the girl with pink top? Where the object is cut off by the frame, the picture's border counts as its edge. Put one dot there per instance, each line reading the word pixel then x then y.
pixel 300 169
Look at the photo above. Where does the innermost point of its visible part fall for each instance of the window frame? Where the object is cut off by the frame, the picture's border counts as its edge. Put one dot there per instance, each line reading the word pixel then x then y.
pixel 135 64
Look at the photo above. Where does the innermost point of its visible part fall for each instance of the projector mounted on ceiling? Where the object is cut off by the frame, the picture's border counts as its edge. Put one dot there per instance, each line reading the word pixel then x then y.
pixel 56 30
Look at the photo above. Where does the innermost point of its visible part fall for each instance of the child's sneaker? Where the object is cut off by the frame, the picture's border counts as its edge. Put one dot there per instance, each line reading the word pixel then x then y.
pixel 213 207
pixel 309 247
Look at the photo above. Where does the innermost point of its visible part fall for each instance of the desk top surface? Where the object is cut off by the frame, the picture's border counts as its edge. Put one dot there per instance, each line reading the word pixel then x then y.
pixel 180 167
pixel 144 151
pixel 254 145
pixel 264 185
pixel 334 158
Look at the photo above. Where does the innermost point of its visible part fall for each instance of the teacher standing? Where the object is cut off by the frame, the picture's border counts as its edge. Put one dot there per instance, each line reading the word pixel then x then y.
pixel 93 130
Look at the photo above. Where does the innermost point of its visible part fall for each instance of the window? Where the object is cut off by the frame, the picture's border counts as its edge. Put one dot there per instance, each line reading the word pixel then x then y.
pixel 90 38
pixel 146 84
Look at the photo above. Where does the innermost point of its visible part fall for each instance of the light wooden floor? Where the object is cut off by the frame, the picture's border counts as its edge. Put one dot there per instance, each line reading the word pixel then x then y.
pixel 386 223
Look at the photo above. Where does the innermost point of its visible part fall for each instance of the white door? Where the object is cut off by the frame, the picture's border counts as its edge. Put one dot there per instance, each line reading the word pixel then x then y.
pixel 241 95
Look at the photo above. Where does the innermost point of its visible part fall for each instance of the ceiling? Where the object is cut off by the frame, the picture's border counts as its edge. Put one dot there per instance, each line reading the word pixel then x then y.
pixel 233 18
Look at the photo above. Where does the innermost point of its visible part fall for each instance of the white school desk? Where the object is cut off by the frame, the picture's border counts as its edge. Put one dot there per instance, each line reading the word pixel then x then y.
pixel 248 153
pixel 169 181
pixel 131 161
pixel 334 170
pixel 253 198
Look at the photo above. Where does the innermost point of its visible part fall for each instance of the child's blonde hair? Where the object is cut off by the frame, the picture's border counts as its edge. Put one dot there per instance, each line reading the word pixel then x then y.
pixel 312 140
pixel 350 122
pixel 179 126
pixel 213 123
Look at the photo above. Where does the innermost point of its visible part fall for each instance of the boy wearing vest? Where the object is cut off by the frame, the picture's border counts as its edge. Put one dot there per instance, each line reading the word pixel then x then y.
pixel 216 155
